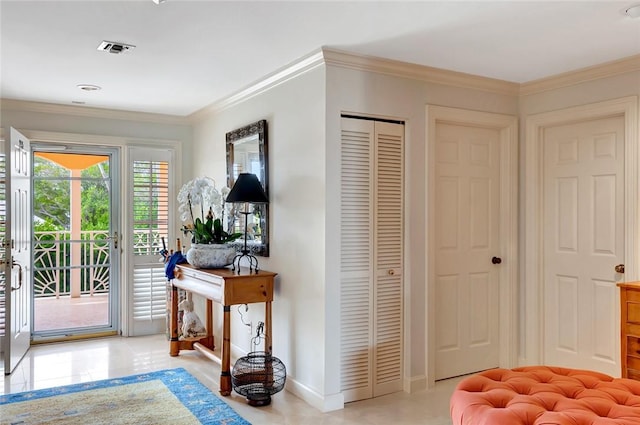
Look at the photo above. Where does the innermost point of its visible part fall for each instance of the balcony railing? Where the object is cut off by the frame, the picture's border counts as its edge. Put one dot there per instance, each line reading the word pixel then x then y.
pixel 53 269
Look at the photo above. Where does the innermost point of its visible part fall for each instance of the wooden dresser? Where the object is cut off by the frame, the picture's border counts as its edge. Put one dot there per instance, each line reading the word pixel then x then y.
pixel 630 329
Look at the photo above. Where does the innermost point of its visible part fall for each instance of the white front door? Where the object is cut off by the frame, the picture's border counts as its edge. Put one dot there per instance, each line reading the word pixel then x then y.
pixel 17 268
pixel 467 235
pixel 583 242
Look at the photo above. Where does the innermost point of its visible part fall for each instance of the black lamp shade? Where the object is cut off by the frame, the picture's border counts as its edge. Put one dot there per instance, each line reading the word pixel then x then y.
pixel 247 188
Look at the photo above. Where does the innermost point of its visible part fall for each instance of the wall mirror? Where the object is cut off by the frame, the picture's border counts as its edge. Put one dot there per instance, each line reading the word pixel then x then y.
pixel 247 153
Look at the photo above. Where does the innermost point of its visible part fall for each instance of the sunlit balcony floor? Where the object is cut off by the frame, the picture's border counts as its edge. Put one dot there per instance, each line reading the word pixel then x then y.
pixel 66 312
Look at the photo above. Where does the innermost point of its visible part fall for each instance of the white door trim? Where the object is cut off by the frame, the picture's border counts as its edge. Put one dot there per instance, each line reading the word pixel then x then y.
pixel 533 207
pixel 508 127
pixel 121 143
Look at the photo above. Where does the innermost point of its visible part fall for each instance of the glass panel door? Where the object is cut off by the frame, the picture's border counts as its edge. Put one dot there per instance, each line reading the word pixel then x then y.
pixel 75 242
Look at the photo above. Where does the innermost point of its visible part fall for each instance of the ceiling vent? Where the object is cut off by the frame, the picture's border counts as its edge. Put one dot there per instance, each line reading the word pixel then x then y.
pixel 114 47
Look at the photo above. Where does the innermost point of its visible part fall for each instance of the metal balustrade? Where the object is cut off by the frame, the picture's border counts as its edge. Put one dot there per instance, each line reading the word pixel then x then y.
pixel 52 261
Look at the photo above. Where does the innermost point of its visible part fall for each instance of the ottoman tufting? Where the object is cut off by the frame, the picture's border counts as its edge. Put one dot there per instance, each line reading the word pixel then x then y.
pixel 541 395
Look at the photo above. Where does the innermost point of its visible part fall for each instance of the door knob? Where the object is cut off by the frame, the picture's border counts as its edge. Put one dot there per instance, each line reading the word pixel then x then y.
pixel 496 260
pixel 619 268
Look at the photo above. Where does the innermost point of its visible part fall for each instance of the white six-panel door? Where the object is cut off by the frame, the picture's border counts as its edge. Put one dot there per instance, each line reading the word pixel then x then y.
pixel 467 234
pixel 583 242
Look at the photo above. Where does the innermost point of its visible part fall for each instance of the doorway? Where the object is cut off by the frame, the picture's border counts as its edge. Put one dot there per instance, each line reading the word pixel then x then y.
pixel 582 175
pixel 472 248
pixel 75 241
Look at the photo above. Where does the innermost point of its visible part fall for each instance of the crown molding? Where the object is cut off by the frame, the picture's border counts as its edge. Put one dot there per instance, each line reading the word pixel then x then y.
pixel 82 111
pixel 338 58
pixel 280 76
pixel 566 79
pixel 342 59
pixel 418 72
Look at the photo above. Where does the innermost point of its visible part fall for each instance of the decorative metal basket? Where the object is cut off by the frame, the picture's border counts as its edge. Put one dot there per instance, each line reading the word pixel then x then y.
pixel 257 376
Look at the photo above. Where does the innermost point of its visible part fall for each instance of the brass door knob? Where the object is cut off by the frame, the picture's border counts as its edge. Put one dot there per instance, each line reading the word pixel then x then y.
pixel 391 272
pixel 619 268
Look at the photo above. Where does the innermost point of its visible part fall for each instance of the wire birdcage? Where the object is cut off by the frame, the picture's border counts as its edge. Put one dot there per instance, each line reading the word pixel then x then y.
pixel 258 375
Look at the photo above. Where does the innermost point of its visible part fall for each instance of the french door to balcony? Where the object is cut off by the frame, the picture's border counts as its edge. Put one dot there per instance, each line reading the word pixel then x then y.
pixel 75 241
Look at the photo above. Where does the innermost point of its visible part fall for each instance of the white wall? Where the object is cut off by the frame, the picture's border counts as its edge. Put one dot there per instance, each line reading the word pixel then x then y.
pixel 295 116
pixel 613 87
pixel 59 120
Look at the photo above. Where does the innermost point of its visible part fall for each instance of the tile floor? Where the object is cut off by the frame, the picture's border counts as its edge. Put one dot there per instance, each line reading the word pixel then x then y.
pixel 66 312
pixel 50 365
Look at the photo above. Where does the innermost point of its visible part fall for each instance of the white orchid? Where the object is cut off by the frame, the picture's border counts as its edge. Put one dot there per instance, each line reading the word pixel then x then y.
pixel 201 194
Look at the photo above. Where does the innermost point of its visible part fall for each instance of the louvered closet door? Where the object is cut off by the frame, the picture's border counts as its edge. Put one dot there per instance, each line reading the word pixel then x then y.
pixel 356 265
pixel 371 258
pixel 387 360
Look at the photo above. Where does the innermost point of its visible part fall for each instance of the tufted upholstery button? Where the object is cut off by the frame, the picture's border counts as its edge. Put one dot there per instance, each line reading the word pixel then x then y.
pixel 542 395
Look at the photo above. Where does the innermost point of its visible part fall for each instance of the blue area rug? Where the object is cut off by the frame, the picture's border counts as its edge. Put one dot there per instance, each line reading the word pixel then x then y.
pixel 170 396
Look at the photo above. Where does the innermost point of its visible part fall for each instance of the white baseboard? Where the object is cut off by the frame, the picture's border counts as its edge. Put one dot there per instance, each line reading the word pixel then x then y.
pixel 415 383
pixel 320 402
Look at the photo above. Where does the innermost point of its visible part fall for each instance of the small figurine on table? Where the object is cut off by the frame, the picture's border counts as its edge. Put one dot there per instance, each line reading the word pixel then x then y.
pixel 192 327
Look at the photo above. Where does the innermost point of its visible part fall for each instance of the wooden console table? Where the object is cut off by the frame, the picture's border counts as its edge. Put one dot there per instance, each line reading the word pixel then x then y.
pixel 227 288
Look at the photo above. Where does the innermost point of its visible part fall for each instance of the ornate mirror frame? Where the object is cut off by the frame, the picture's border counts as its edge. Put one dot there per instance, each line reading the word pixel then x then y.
pixel 247 152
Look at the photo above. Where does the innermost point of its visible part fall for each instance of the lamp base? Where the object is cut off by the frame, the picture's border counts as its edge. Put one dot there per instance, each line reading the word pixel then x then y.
pixel 253 262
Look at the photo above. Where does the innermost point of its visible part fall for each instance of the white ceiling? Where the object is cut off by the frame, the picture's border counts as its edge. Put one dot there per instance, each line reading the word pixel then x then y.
pixel 190 54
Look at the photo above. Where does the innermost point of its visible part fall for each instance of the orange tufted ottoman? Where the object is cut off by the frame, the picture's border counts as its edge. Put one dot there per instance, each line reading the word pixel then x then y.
pixel 541 395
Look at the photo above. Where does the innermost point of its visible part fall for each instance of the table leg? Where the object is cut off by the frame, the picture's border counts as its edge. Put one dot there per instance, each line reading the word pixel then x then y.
pixel 209 325
pixel 267 324
pixel 225 372
pixel 174 345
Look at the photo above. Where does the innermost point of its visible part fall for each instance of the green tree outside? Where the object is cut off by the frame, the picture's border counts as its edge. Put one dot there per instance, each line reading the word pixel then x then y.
pixel 52 194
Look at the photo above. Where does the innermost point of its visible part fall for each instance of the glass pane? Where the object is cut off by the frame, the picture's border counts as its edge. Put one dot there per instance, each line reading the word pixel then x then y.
pixel 150 206
pixel 71 206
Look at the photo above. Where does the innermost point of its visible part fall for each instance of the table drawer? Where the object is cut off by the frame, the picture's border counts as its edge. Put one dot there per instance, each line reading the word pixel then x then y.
pixel 633 374
pixel 633 346
pixel 633 295
pixel 632 329
pixel 633 363
pixel 633 312
pixel 248 289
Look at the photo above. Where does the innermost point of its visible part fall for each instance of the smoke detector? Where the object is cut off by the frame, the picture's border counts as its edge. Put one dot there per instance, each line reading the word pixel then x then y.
pixel 115 47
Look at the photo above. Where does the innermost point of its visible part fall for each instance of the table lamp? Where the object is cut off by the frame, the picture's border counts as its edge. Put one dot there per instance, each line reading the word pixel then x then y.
pixel 247 189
